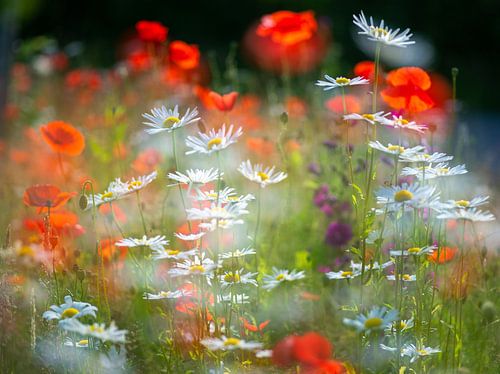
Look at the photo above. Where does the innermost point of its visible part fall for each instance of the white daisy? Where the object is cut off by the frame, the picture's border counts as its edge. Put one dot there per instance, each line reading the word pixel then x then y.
pixel 398 122
pixel 414 251
pixel 194 266
pixel 213 141
pixel 465 204
pixel 432 172
pixel 382 33
pixel 257 173
pixel 165 295
pixel 217 211
pixel 332 83
pixel 473 215
pixel 196 177
pixel 70 310
pixel 233 298
pixel 237 253
pixel 189 237
pixel 139 183
pixel 82 343
pixel 402 325
pixel 403 277
pixel 97 330
pixel 395 150
pixel 223 224
pixel 358 266
pixel 414 196
pixel 155 241
pixel 342 274
pixel 116 190
pixel 160 253
pixel 264 353
pixel 280 276
pixel 412 351
pixel 436 157
pixel 378 319
pixel 163 119
pixel 232 278
pixel 368 117
pixel 229 344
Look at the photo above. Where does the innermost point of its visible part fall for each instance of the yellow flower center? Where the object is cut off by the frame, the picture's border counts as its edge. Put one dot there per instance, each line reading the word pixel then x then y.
pixel 172 252
pixel 373 323
pixel 396 148
pixel 280 277
pixel 171 121
pixel 107 195
pixel 263 176
pixel 196 269
pixel 346 274
pixel 402 325
pixel 96 328
pixel 422 352
pixel 70 312
pixel 25 250
pixel 232 277
pixel 463 203
pixel 444 170
pixel 83 342
pixel 414 250
pixel 370 117
pixel 214 141
pixel 406 277
pixel 163 294
pixel 378 31
pixel 342 80
pixel 231 341
pixel 134 184
pixel 402 196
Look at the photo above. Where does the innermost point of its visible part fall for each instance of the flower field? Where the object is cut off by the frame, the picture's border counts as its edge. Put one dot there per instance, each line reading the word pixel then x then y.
pixel 180 212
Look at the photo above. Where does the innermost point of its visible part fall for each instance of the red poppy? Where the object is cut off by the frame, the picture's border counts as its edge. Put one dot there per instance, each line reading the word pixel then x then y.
pixel 287 28
pixel 260 146
pixel 83 78
pixel 63 137
pixel 312 349
pixel 224 103
pixel 295 107
pixel 365 69
pixel 254 328
pixel 203 95
pixel 443 255
pixel 46 196
pixel 407 90
pixel 151 31
pixel 183 55
pixel 139 61
pixel 336 104
pixel 147 161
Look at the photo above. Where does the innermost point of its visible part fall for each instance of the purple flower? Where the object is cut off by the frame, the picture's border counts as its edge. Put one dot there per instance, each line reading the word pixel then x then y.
pixel 314 168
pixel 338 234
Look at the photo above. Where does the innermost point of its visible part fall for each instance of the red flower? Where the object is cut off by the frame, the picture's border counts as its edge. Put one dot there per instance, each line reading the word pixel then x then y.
pixel 407 90
pixel 287 28
pixel 336 104
pixel 46 196
pixel 254 328
pixel 139 61
pixel 365 69
pixel 443 255
pixel 151 31
pixel 183 55
pixel 63 137
pixel 224 103
pixel 312 349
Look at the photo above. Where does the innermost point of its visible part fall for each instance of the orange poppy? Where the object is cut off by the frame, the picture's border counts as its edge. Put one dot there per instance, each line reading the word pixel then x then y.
pixel 185 56
pixel 287 28
pixel 254 328
pixel 296 107
pixel 151 31
pixel 365 69
pixel 203 95
pixel 407 90
pixel 260 146
pixel 139 61
pixel 443 255
pixel 46 196
pixel 336 105
pixel 63 137
pixel 224 103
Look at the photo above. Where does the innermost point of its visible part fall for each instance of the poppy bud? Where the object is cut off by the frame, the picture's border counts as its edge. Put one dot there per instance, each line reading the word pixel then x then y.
pixel 83 202
pixel 284 118
pixel 488 309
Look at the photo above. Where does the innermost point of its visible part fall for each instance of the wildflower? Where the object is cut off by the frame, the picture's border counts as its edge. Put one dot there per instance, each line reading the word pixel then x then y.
pixel 70 309
pixel 227 195
pixel 342 274
pixel 414 353
pixel 194 266
pixel 367 117
pixel 331 83
pixel 287 28
pixel 183 55
pixel 213 141
pixel 403 277
pixel 196 177
pixel 465 204
pixel 151 31
pixel 395 150
pixel 357 266
pixel 46 196
pixel 63 138
pixel 190 237
pixel 139 183
pixel 381 33
pixel 443 255
pixel 473 215
pixel 408 89
pixel 224 224
pixel 402 325
pixel 265 353
pixel 436 157
pixel 414 251
pixel 233 298
pixel 280 276
pixel 116 190
pixel 365 69
pixel 432 172
pixel 254 327
pixel 217 211
pixel 378 319
pixel 237 253
pixel 96 330
pixel 82 343
pixel 336 104
pixel 415 196
pixel 229 344
pixel 398 122
pixel 338 234
pixel 257 173
pixel 165 295
pixel 224 103
pixel 231 278
pixel 155 241
pixel 160 253
pixel 163 119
